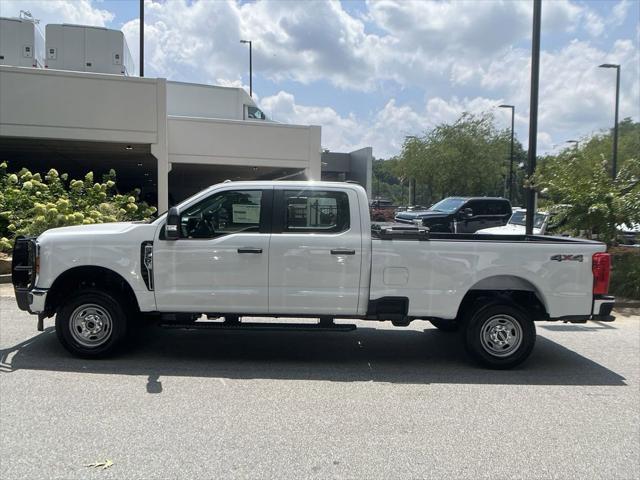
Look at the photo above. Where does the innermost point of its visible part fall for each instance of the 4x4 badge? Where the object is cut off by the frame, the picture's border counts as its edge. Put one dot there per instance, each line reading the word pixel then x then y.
pixel 567 258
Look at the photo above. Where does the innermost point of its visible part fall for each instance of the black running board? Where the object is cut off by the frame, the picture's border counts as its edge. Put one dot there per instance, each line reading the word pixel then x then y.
pixel 300 327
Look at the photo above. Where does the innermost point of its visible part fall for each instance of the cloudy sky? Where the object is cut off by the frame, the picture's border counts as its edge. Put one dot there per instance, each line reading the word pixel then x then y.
pixel 371 72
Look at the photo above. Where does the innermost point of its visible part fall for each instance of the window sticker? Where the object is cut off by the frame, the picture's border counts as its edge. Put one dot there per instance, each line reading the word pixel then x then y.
pixel 243 213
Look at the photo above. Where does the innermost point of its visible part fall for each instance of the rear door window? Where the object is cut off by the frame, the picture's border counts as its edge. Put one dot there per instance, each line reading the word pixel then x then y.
pixel 315 211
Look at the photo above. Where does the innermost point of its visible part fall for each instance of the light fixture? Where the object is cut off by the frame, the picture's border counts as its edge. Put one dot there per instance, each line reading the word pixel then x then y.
pixel 139 164
pixel 128 147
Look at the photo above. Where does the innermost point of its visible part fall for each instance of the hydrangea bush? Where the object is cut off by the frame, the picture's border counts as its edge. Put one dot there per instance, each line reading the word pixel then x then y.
pixel 31 204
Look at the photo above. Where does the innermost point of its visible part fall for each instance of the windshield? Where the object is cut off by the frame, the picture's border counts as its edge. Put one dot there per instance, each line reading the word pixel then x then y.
pixel 448 205
pixel 520 218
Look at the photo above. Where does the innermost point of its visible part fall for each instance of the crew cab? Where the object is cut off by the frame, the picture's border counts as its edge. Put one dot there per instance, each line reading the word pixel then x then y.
pixel 460 214
pixel 303 249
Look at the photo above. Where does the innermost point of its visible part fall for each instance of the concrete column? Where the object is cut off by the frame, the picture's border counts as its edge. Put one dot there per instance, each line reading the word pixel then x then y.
pixel 160 149
pixel 361 168
pixel 314 167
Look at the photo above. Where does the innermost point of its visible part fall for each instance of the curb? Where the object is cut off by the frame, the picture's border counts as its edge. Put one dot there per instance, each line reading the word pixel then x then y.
pixel 6 278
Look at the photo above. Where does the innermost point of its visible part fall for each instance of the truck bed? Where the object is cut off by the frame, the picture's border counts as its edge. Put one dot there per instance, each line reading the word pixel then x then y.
pixel 434 271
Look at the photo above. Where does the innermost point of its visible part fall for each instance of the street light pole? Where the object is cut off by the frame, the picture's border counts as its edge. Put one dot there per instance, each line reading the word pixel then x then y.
pixel 614 161
pixel 513 113
pixel 142 38
pixel 250 67
pixel 533 114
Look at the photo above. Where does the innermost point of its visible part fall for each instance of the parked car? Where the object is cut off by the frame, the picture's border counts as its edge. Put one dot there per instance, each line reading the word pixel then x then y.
pixel 629 234
pixel 292 249
pixel 517 224
pixel 461 214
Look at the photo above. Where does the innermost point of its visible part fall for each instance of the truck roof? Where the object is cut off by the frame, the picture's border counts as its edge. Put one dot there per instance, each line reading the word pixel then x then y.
pixel 289 183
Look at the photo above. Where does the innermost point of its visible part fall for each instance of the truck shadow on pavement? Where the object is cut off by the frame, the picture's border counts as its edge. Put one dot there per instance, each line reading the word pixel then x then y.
pixel 364 355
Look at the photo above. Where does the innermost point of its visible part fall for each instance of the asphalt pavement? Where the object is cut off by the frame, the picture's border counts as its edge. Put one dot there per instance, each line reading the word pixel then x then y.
pixel 378 402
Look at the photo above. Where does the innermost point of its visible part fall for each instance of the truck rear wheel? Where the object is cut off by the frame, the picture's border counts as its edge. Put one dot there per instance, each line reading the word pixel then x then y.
pixel 91 323
pixel 500 335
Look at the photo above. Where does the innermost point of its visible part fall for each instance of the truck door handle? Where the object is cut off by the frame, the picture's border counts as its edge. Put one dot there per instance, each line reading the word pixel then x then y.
pixel 342 251
pixel 249 250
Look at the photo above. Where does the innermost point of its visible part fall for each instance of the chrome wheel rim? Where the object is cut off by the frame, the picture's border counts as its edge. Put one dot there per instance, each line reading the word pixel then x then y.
pixel 90 325
pixel 501 335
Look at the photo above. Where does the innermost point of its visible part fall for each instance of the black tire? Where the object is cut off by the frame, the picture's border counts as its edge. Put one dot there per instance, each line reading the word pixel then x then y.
pixel 445 325
pixel 499 335
pixel 92 323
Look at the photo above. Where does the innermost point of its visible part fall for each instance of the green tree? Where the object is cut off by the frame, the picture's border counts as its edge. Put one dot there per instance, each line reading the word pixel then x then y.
pixel 577 183
pixel 468 157
pixel 386 182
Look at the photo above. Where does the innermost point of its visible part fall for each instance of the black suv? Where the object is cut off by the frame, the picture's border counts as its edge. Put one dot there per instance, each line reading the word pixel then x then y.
pixel 461 214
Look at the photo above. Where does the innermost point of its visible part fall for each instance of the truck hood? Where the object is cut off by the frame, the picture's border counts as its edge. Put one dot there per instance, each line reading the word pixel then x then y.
pixel 95 230
pixel 509 229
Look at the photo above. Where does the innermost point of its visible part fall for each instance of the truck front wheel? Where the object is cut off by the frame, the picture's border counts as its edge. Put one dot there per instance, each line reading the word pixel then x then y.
pixel 91 323
pixel 500 335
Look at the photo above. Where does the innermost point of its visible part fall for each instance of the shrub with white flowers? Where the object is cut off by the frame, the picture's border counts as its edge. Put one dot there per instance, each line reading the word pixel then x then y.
pixel 30 204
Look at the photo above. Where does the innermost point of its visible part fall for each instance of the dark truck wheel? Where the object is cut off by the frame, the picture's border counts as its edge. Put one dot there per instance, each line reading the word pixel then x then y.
pixel 500 335
pixel 91 323
pixel 445 325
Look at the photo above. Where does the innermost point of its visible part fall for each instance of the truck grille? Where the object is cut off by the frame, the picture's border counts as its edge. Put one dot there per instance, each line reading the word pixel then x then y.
pixel 23 272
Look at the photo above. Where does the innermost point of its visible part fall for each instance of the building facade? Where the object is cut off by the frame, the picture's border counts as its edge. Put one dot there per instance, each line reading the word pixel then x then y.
pixel 170 139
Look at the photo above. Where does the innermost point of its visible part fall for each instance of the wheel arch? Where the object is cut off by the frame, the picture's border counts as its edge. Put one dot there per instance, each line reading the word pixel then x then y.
pixel 512 288
pixel 88 276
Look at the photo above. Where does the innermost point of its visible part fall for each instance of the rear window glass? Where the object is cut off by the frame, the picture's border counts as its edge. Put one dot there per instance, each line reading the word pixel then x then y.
pixel 316 211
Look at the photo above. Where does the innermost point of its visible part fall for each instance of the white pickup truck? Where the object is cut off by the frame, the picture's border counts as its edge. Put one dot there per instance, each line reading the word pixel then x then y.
pixel 304 249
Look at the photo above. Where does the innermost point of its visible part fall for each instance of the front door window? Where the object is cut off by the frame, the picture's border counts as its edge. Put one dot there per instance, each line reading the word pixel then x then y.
pixel 236 211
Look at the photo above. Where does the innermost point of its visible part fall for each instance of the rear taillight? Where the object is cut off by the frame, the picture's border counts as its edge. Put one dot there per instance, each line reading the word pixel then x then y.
pixel 601 267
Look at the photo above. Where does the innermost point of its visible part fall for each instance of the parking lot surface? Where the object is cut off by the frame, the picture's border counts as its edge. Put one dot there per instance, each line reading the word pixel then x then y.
pixel 378 402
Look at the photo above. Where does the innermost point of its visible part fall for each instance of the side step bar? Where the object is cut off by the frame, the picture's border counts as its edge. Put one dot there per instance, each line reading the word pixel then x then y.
pixel 300 327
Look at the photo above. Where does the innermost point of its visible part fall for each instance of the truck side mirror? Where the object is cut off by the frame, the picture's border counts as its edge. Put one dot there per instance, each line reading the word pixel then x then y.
pixel 467 213
pixel 172 227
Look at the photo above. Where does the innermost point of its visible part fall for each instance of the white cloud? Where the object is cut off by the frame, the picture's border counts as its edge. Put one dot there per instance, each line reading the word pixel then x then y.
pixel 449 50
pixel 619 12
pixel 384 130
pixel 576 97
pixel 306 41
pixel 311 41
pixel 338 133
pixel 594 23
pixel 196 41
pixel 82 12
